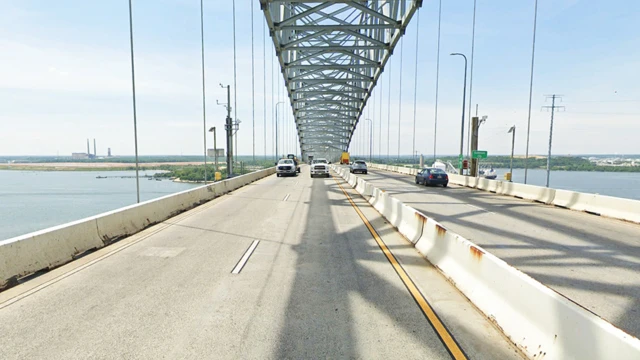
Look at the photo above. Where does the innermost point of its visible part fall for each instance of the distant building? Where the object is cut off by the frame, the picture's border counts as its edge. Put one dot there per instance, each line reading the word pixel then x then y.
pixel 79 156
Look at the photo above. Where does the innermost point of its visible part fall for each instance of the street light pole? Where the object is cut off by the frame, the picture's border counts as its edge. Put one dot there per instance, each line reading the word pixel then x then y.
pixel 280 102
pixel 133 87
pixel 513 143
pixel 370 137
pixel 464 98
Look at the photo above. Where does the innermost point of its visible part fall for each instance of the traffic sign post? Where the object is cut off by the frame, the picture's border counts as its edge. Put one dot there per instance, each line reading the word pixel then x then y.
pixel 479 154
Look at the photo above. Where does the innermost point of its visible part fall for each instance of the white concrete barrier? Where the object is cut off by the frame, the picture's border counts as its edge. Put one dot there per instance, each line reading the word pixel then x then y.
pixel 30 253
pixel 541 322
pixel 617 208
pixel 52 247
pixel 574 200
pixel 529 192
pixel 483 184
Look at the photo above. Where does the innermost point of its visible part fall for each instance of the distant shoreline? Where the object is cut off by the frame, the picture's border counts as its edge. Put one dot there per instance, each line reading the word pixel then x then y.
pixel 102 166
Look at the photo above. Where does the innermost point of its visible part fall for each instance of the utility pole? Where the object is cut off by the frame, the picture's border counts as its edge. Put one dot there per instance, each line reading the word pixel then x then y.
pixel 553 108
pixel 475 130
pixel 229 128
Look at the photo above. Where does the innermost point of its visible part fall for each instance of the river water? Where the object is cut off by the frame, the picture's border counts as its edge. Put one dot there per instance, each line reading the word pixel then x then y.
pixel 618 184
pixel 35 200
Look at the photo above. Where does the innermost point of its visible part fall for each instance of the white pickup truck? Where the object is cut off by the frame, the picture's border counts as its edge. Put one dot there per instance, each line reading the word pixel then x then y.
pixel 320 167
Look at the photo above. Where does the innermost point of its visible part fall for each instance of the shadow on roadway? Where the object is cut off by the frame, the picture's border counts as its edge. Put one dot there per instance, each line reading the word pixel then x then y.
pixel 601 251
pixel 335 290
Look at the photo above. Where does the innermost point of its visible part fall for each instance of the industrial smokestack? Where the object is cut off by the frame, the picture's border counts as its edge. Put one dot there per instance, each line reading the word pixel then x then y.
pixel 88 152
pixel 95 153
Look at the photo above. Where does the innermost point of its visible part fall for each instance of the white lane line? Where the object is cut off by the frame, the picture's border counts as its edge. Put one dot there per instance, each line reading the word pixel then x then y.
pixel 286 197
pixel 245 257
pixel 477 207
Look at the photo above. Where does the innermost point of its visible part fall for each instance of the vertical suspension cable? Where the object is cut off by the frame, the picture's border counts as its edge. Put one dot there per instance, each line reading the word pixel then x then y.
pixel 533 57
pixel 253 86
pixel 273 123
pixel 264 83
pixel 415 88
pixel 389 116
pixel 372 123
pixel 204 109
pixel 235 81
pixel 380 122
pixel 278 119
pixel 435 129
pixel 133 87
pixel 473 42
pixel 400 94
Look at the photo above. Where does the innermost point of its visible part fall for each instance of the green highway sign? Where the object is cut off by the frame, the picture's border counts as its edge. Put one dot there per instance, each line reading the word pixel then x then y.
pixel 479 154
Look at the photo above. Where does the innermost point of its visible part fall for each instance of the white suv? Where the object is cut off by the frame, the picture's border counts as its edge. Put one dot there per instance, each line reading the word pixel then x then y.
pixel 320 167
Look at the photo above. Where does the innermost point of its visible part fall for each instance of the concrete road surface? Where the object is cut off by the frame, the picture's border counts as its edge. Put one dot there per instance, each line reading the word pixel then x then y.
pixel 594 261
pixel 315 286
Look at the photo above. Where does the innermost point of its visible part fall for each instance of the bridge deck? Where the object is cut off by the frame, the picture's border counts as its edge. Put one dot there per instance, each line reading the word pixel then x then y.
pixel 316 286
pixel 595 261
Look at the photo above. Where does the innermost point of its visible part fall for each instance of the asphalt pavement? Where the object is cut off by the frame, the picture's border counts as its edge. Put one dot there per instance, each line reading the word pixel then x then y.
pixel 592 260
pixel 310 281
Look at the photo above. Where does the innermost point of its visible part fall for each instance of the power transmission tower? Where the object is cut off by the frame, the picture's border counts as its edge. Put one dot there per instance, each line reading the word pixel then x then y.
pixel 553 108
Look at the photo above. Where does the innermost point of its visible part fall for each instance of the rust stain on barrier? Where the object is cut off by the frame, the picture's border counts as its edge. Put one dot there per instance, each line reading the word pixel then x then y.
pixel 421 217
pixel 441 230
pixel 477 253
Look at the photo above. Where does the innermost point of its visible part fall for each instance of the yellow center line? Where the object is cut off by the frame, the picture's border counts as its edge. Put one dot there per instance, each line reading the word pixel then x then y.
pixel 443 333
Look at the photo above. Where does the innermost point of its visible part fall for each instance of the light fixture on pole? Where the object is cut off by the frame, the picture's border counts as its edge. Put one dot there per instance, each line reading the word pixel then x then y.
pixel 464 98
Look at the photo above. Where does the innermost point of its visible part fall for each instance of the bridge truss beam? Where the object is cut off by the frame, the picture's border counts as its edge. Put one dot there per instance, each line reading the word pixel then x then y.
pixel 331 54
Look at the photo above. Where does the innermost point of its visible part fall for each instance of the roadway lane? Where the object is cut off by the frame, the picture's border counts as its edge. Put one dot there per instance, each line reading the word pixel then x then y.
pixel 592 260
pixel 316 286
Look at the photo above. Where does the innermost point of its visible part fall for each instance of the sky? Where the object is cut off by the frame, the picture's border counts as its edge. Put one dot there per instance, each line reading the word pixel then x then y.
pixel 65 77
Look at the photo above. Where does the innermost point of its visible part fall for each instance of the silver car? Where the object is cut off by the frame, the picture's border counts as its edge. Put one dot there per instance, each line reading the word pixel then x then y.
pixel 286 167
pixel 358 166
pixel 320 167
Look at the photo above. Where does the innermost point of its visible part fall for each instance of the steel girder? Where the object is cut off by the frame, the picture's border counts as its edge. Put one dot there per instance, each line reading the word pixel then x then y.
pixel 331 54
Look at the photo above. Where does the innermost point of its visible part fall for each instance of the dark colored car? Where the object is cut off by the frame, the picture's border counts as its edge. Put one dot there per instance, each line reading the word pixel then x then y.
pixel 358 166
pixel 432 176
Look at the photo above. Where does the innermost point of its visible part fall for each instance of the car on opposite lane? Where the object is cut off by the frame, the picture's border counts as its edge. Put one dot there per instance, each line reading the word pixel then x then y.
pixel 286 167
pixel 432 176
pixel 319 167
pixel 358 166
